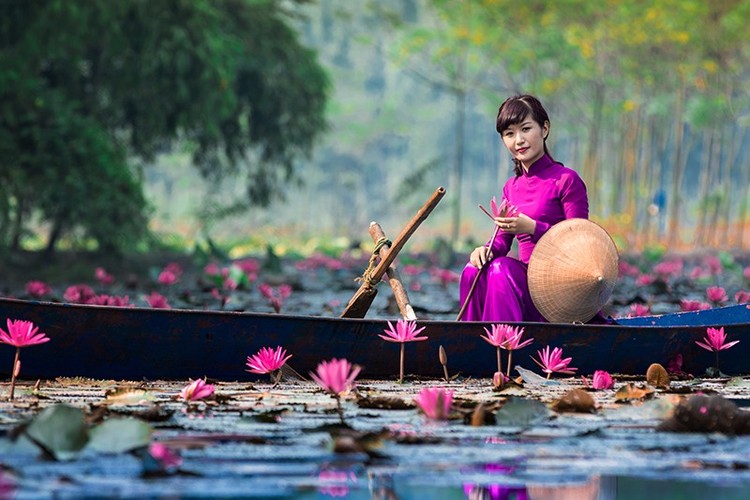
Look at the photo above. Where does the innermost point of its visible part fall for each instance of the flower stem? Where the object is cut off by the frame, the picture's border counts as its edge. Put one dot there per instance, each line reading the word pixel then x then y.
pixel 13 375
pixel 499 362
pixel 510 356
pixel 717 363
pixel 339 409
pixel 401 365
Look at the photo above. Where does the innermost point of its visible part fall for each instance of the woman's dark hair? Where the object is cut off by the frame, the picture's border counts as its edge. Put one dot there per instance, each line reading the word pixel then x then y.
pixel 514 110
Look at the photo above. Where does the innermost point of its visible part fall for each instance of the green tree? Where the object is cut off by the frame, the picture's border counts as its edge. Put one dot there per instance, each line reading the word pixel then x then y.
pixel 90 87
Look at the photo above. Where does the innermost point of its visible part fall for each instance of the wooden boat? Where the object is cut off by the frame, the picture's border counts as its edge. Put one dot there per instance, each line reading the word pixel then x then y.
pixel 137 343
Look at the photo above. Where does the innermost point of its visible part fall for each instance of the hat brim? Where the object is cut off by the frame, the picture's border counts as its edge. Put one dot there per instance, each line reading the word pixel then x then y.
pixel 572 271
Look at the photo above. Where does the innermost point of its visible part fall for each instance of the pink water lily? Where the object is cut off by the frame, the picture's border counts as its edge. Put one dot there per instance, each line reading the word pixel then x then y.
pixel 435 402
pixel 37 288
pixel 268 360
pixel 197 389
pixel 504 209
pixel 337 378
pixel 166 458
pixel 103 277
pixel 638 309
pixel 601 380
pixel 20 334
pixel 553 362
pixel 157 301
pixel 404 331
pixel 742 297
pixel 506 337
pixel 716 295
pixel 693 305
pixel 716 341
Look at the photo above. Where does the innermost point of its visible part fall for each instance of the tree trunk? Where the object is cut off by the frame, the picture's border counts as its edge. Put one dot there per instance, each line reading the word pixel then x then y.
pixel 458 166
pixel 678 168
pixel 703 191
pixel 590 166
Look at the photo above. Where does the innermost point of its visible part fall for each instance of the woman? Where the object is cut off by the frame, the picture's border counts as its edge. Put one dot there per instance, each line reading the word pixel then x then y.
pixel 544 192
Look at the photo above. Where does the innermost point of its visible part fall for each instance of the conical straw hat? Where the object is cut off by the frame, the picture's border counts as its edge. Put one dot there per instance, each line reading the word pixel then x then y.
pixel 572 271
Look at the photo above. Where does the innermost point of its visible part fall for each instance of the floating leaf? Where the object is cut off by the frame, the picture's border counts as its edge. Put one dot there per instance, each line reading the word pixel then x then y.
pixel 128 396
pixel 119 435
pixel 384 403
pixel 575 401
pixel 629 392
pixel 518 412
pixel 532 378
pixel 657 376
pixel 60 431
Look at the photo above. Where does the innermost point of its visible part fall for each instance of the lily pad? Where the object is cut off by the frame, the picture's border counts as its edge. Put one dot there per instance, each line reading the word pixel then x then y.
pixel 60 431
pixel 119 435
pixel 519 412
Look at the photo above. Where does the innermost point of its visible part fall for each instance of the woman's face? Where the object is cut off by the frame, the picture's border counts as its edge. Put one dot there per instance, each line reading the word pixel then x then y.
pixel 525 141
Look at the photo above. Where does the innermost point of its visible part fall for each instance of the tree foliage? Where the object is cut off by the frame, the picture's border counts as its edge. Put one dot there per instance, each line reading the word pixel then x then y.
pixel 87 88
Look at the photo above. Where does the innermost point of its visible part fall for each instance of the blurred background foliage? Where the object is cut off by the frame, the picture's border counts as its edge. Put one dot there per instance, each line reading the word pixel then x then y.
pixel 133 125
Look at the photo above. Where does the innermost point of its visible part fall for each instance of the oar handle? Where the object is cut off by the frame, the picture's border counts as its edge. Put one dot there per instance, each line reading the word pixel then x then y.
pixel 476 279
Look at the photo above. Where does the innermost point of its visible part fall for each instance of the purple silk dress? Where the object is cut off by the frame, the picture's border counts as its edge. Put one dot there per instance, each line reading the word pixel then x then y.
pixel 548 193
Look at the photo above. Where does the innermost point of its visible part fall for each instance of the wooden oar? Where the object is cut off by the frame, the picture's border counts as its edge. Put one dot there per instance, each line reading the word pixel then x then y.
pixel 399 292
pixel 479 272
pixel 363 297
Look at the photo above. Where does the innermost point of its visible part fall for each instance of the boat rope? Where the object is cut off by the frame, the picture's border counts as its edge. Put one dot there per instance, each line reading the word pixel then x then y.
pixel 367 275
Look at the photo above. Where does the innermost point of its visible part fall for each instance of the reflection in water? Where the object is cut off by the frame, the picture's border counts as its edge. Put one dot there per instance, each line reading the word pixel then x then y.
pixel 566 491
pixel 336 482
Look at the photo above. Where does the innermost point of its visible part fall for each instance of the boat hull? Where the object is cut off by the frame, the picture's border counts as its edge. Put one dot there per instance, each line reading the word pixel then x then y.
pixel 137 343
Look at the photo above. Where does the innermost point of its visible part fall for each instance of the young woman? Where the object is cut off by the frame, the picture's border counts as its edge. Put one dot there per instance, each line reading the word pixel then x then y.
pixel 544 192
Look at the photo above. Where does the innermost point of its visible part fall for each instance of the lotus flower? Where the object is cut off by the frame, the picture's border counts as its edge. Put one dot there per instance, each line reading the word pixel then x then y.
pixel 275 297
pixel 197 389
pixel 746 273
pixel 20 334
pixel 268 360
pixel 553 362
pixel 715 340
pixel 693 305
pixel 79 294
pixel 742 297
pixel 435 402
pixel 37 288
pixel 164 456
pixel 716 295
pixel 336 377
pixel 405 331
pixel 504 209
pixel 638 309
pixel 157 301
pixel 167 277
pixel 103 277
pixel 506 337
pixel 602 380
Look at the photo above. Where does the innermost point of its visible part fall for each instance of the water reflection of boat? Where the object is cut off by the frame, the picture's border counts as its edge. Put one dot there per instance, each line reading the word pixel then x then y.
pixel 136 343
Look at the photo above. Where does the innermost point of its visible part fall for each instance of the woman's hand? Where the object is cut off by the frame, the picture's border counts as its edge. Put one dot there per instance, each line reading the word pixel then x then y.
pixel 523 224
pixel 480 256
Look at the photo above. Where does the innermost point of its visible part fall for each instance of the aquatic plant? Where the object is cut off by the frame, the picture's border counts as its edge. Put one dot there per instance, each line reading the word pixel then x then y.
pixel 37 288
pixel 20 334
pixel 103 277
pixel 693 305
pixel 496 336
pixel 157 301
pixel 600 380
pixel 716 340
pixel 275 297
pixel 336 377
pixel 716 295
pixel 742 297
pixel 435 402
pixel 553 362
pixel 404 331
pixel 268 360
pixel 639 309
pixel 504 209
pixel 78 294
pixel 512 343
pixel 197 389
